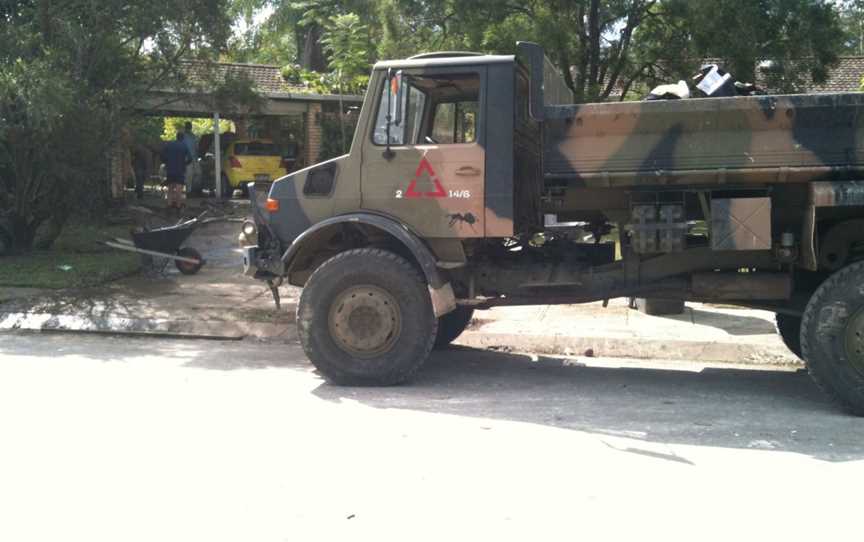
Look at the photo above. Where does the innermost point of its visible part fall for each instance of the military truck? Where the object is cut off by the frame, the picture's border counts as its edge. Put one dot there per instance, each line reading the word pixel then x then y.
pixel 464 167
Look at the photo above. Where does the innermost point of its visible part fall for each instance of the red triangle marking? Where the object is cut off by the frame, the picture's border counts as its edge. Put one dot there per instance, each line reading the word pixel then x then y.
pixel 412 192
pixel 424 164
pixel 439 190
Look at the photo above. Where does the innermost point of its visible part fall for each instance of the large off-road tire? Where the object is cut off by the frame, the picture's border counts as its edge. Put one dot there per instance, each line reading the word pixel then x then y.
pixel 832 337
pixel 365 318
pixel 789 329
pixel 452 324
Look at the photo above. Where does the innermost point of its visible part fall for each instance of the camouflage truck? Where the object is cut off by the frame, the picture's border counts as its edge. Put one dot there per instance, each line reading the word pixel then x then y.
pixel 463 168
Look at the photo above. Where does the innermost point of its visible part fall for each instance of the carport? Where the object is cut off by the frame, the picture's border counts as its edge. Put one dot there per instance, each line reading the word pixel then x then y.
pixel 275 99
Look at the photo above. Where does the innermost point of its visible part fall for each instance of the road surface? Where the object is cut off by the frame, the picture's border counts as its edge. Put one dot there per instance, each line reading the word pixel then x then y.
pixel 126 439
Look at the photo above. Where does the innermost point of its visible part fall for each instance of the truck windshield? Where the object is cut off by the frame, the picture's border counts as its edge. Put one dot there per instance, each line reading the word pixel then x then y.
pixel 436 109
pixel 406 131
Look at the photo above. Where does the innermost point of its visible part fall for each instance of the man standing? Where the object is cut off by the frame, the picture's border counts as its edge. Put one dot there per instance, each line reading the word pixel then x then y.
pixel 175 156
pixel 193 177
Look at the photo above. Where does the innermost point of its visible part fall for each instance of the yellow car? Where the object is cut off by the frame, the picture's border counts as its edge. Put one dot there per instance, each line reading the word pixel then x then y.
pixel 248 161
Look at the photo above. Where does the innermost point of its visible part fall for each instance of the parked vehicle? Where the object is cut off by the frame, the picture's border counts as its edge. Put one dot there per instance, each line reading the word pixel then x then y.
pixel 438 211
pixel 247 161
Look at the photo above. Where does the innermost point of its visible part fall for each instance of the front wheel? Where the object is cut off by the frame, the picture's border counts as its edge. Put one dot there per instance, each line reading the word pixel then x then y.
pixel 452 324
pixel 832 337
pixel 365 318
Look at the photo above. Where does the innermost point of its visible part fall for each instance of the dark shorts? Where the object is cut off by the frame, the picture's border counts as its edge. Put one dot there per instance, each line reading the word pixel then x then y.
pixel 175 179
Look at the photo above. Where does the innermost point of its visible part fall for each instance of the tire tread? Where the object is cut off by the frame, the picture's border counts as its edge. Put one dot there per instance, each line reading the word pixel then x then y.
pixel 401 373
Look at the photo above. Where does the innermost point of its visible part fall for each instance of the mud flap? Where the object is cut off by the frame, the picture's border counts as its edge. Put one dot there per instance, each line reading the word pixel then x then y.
pixel 443 299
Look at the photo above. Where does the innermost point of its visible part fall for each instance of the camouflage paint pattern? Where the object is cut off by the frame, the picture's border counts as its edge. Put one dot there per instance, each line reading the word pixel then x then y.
pixel 597 151
pixel 759 139
pixel 438 190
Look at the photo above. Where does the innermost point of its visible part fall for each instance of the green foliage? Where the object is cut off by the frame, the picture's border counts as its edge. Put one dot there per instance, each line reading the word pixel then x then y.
pixel 331 135
pixel 172 125
pixel 313 82
pixel 70 75
pixel 799 37
pixel 346 41
pixel 76 259
pixel 852 21
pixel 603 47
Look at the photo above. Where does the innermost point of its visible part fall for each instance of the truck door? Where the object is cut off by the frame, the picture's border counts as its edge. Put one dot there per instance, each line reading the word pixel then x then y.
pixel 432 178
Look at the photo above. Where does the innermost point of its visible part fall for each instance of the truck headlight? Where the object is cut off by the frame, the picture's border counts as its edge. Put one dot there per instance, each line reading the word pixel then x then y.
pixel 250 231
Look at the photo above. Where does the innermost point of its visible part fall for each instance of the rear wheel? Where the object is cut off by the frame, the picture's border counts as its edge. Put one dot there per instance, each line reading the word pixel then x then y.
pixel 789 329
pixel 365 318
pixel 452 324
pixel 832 337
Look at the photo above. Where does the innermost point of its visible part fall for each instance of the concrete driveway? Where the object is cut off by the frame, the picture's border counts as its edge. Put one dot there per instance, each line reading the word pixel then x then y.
pixel 153 439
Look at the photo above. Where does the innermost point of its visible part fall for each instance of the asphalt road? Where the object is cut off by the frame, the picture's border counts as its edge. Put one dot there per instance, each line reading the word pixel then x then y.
pixel 119 439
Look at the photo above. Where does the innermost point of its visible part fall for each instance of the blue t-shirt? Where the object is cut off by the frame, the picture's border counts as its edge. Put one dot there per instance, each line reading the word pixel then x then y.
pixel 174 155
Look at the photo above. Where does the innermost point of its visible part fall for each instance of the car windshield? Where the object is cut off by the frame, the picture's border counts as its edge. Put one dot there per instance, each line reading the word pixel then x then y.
pixel 256 148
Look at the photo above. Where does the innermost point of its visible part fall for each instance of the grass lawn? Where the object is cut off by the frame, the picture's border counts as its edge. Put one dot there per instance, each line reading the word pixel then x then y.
pixel 76 260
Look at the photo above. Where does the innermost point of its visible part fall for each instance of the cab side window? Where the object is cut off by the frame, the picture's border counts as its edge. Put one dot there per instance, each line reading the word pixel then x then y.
pixel 455 122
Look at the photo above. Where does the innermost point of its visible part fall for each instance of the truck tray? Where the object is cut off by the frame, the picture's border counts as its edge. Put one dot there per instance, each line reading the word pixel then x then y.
pixel 756 139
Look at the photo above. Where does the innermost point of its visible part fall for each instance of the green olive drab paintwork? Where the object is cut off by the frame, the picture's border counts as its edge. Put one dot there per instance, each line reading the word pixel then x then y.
pixel 759 139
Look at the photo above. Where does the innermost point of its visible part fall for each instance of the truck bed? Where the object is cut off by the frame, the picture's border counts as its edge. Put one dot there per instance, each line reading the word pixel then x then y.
pixel 758 139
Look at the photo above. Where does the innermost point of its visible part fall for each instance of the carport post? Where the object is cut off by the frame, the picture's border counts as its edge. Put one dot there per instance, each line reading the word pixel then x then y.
pixel 217 156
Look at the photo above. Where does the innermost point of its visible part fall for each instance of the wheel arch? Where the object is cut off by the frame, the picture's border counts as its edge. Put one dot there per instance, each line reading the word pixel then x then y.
pixel 345 232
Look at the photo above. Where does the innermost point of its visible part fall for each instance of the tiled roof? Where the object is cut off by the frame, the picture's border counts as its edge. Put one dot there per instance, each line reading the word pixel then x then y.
pixel 844 77
pixel 267 78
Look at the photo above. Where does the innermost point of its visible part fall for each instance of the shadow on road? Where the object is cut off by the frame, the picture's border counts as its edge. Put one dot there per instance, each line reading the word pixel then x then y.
pixel 732 408
pixel 729 408
pixel 733 324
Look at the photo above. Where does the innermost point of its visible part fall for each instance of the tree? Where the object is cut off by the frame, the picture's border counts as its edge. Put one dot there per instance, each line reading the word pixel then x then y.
pixel 603 48
pixel 852 21
pixel 303 20
pixel 801 39
pixel 346 41
pixel 71 73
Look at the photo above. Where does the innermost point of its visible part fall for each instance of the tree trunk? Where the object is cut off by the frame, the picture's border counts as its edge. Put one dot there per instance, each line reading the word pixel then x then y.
pixel 23 232
pixel 313 53
pixel 51 233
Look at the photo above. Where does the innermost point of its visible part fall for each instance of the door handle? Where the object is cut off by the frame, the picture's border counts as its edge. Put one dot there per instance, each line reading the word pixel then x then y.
pixel 467 171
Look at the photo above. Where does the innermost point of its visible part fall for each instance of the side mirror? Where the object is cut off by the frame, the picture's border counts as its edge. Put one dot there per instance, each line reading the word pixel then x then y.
pixel 397 89
pixel 394 107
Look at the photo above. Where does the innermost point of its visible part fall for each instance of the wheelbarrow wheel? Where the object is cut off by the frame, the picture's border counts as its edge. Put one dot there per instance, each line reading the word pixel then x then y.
pixel 188 268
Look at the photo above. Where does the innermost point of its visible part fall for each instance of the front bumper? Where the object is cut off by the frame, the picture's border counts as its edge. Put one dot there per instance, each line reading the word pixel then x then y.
pixel 262 264
pixel 250 260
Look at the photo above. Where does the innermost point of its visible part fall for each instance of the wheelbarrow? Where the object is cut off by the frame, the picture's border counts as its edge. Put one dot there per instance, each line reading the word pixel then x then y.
pixel 167 242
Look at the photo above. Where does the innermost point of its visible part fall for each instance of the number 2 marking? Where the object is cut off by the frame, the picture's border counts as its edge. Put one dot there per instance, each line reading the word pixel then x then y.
pixel 398 194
